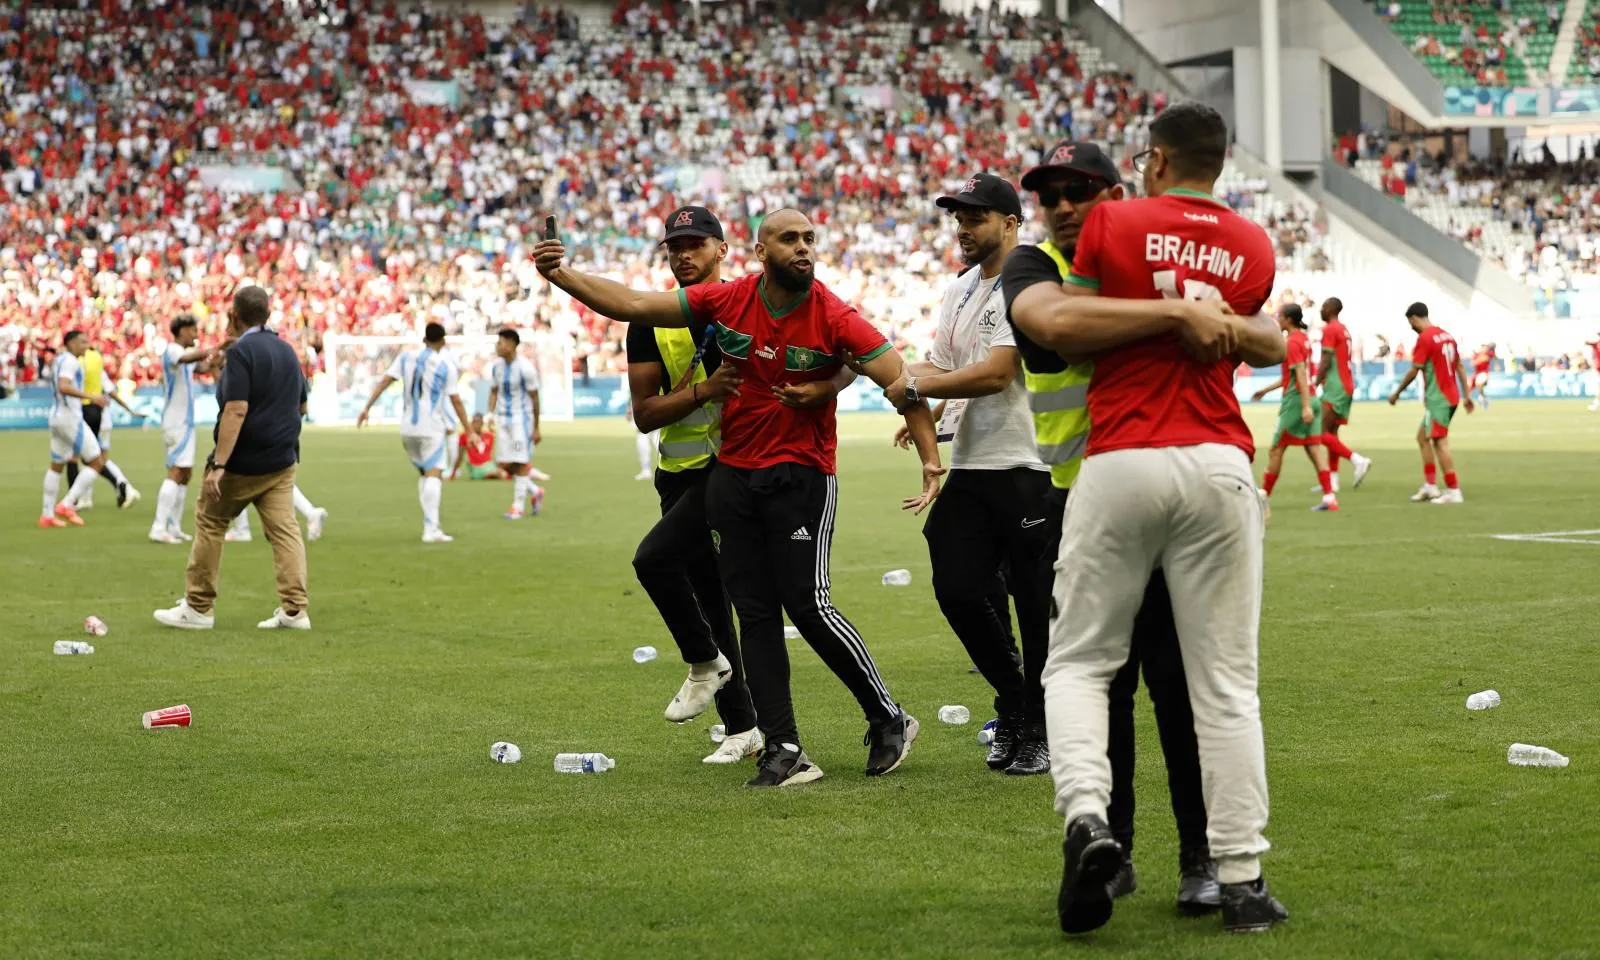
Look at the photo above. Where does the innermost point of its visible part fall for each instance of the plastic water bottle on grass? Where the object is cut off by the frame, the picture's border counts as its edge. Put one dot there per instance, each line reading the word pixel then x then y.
pixel 897 578
pixel 1483 700
pixel 1528 755
pixel 66 648
pixel 719 733
pixel 954 715
pixel 583 763
pixel 986 735
pixel 644 654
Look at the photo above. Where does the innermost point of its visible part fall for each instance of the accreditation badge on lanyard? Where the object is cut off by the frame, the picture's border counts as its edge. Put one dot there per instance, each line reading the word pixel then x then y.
pixel 954 410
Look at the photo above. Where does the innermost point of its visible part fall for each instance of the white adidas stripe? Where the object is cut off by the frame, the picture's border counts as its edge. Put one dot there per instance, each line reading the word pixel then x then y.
pixel 841 628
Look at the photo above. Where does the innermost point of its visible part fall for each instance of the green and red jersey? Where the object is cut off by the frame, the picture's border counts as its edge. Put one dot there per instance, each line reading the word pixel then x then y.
pixel 797 344
pixel 1439 357
pixel 1296 361
pixel 1336 351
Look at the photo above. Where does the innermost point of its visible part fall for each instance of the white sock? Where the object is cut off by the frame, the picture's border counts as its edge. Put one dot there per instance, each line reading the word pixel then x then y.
pixel 87 475
pixel 645 445
pixel 302 505
pixel 430 491
pixel 521 488
pixel 163 506
pixel 52 490
pixel 115 473
pixel 241 524
pixel 180 497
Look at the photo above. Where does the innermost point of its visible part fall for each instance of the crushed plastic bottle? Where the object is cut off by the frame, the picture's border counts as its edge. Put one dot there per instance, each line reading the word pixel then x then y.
pixel 95 627
pixel 719 733
pixel 897 578
pixel 503 752
pixel 584 763
pixel 791 632
pixel 1528 755
pixel 1483 700
pixel 986 734
pixel 955 714
pixel 69 647
pixel 644 654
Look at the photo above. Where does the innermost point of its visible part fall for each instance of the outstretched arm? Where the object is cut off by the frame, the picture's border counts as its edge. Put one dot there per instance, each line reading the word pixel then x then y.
pixel 607 297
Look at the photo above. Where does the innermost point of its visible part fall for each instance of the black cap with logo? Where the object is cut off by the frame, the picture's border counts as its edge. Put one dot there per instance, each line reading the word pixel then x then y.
pixel 692 222
pixel 1073 156
pixel 985 192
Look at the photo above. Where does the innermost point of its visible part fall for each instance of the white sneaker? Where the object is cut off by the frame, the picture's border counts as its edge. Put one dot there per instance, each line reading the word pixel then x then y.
pixel 538 475
pixel 232 537
pixel 1450 496
pixel 87 503
pixel 1362 465
pixel 695 695
pixel 177 531
pixel 315 522
pixel 436 536
pixel 182 617
pixel 131 498
pixel 643 475
pixel 163 536
pixel 282 621
pixel 738 746
pixel 1427 491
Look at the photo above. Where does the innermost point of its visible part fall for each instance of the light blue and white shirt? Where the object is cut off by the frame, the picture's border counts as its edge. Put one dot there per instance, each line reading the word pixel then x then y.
pixel 178 379
pixel 429 379
pixel 65 409
pixel 514 408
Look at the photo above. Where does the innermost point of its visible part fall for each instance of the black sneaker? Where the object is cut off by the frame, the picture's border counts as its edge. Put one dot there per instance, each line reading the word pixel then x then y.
pixel 1198 890
pixel 888 743
pixel 1249 908
pixel 1125 882
pixel 784 765
pixel 1091 858
pixel 1004 748
pixel 122 495
pixel 1033 754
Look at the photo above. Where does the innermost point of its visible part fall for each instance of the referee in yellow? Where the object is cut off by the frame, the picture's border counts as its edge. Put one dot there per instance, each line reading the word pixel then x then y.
pixel 98 419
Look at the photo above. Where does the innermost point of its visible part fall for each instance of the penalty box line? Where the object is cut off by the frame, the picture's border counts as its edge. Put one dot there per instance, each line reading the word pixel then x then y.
pixel 1590 537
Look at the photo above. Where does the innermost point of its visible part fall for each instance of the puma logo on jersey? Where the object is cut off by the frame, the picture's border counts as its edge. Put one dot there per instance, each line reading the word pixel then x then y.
pixel 766 353
pixel 801 534
pixel 1202 217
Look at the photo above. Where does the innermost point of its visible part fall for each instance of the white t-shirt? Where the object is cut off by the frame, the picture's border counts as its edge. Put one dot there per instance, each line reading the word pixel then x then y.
pixel 996 432
pixel 429 379
pixel 178 414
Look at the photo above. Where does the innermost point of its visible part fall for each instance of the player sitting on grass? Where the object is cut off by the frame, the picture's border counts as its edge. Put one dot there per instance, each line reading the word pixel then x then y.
pixel 477 457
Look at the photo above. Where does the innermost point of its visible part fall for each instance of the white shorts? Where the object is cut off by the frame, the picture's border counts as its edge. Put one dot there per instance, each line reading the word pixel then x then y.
pixel 180 446
pixel 426 452
pixel 72 439
pixel 1480 380
pixel 513 445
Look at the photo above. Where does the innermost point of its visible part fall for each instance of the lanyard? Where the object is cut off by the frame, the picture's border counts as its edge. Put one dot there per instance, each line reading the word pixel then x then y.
pixel 968 296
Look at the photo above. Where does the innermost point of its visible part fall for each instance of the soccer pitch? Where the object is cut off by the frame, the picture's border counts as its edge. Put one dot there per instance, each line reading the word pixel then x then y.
pixel 335 797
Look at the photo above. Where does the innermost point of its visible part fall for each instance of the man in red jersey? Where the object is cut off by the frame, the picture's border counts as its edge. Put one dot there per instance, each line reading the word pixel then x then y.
pixel 1166 482
pixel 1444 384
pixel 1482 360
pixel 1338 385
pixel 772 497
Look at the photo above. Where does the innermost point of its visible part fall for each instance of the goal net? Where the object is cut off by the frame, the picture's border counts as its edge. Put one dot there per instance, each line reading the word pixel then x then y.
pixel 353 365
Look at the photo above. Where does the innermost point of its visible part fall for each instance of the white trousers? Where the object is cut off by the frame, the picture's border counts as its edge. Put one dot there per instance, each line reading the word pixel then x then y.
pixel 1193 512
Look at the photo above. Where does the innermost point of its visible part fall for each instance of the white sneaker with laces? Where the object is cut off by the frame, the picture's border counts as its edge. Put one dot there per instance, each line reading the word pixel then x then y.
pixel 282 621
pixel 1450 496
pixel 184 618
pixel 315 523
pixel 695 694
pixel 131 498
pixel 738 746
pixel 1362 465
pixel 1427 491
pixel 436 536
pixel 163 536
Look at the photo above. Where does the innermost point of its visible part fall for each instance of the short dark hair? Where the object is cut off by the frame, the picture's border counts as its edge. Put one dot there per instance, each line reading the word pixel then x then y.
pixel 181 323
pixel 1418 309
pixel 72 335
pixel 252 305
pixel 1334 304
pixel 433 333
pixel 506 333
pixel 1295 314
pixel 1195 139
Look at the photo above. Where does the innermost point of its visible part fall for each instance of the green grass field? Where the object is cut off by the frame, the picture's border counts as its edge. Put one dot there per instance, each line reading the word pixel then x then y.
pixel 335 798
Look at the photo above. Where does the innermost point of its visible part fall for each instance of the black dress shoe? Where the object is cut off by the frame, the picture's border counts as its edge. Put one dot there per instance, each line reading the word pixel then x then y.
pixel 1249 908
pixel 1198 890
pixel 1032 756
pixel 1090 859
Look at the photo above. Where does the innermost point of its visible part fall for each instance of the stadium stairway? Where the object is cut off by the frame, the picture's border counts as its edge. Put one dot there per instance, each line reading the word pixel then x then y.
pixel 1566 40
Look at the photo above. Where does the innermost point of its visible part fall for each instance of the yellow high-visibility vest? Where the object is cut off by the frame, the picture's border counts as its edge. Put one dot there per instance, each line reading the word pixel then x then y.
pixel 691 442
pixel 1060 405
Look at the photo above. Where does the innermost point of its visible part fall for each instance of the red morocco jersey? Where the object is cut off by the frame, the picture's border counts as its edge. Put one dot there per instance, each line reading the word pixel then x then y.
pixel 1336 343
pixel 1182 243
pixel 1436 353
pixel 770 347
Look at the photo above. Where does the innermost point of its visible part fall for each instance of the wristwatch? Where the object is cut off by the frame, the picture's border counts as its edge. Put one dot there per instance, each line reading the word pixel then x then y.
pixel 911 390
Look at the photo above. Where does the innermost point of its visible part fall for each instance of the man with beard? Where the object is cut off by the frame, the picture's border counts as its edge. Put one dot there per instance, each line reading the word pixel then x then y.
pixel 772 497
pixel 992 508
pixel 1076 178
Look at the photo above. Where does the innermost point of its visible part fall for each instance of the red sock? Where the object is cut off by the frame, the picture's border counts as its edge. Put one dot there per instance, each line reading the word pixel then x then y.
pixel 1325 477
pixel 1450 481
pixel 1337 448
pixel 1333 463
pixel 1268 481
pixel 1430 473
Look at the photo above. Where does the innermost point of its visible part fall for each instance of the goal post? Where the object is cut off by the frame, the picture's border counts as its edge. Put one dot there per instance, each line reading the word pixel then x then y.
pixel 353 365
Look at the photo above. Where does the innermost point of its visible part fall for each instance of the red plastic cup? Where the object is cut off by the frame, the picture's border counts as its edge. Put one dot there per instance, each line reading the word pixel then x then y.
pixel 170 717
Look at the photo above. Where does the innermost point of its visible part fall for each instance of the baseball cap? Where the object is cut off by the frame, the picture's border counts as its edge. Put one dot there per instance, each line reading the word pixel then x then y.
pixel 1075 156
pixel 987 192
pixel 692 222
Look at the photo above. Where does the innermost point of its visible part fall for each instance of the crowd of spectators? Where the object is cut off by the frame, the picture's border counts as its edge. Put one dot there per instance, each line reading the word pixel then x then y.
pixel 421 150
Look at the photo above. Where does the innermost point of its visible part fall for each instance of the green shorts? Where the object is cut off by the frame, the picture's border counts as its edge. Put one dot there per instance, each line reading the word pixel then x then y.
pixel 481 473
pixel 1436 422
pixel 1339 402
pixel 1294 431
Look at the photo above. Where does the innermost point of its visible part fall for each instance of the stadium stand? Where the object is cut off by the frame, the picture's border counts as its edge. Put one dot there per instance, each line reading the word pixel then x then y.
pixel 1585 66
pixel 1466 43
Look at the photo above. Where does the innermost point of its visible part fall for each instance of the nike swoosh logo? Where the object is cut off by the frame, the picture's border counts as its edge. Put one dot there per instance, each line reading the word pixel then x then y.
pixel 1032 523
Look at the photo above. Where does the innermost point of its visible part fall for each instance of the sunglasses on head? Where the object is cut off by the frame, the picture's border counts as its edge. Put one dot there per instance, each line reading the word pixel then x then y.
pixel 1073 191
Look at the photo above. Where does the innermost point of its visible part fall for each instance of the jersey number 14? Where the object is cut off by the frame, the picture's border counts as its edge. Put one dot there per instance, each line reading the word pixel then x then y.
pixel 1166 282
